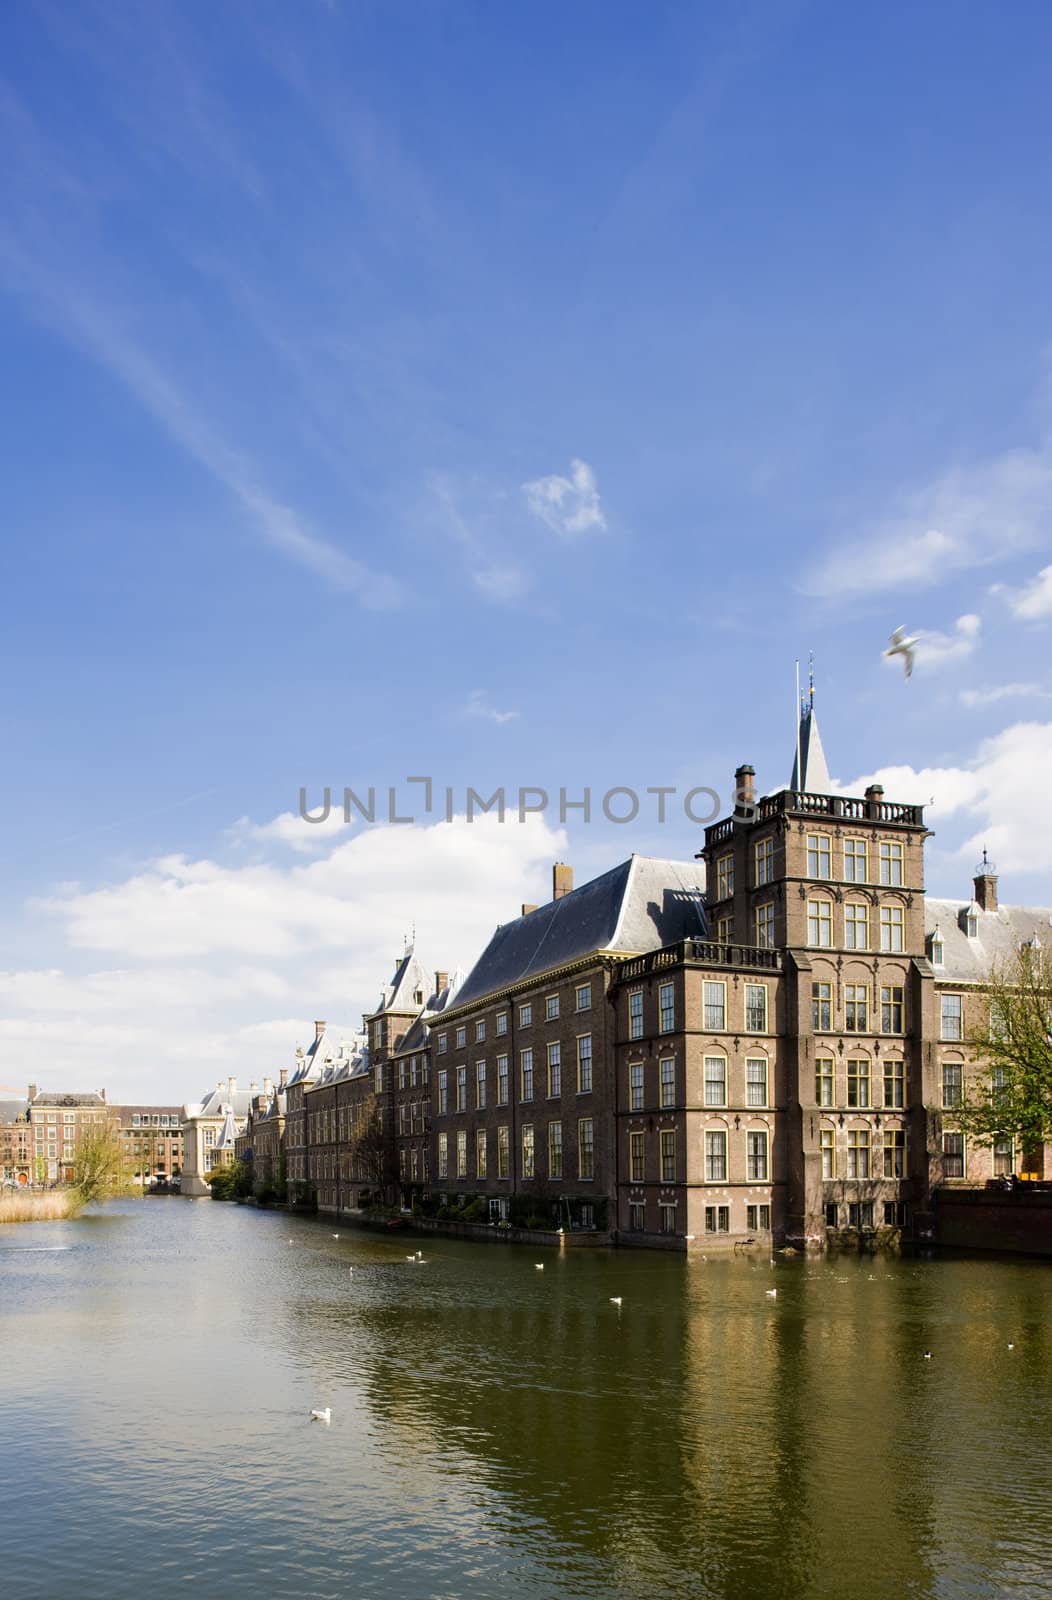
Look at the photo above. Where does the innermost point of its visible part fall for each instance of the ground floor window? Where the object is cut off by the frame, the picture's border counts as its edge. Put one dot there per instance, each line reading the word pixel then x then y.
pixel 953 1155
pixel 636 1216
pixel 896 1213
pixel 668 1218
pixel 586 1214
pixel 758 1219
pixel 860 1214
pixel 717 1219
pixel 498 1210
pixel 1004 1158
pixel 832 1215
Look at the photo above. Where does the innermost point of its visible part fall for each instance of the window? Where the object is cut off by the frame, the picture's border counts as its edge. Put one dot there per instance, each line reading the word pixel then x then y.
pixel 952 1017
pixel 502 1023
pixel 635 1014
pixel 403 1074
pixel 443 1155
pixel 717 1219
pixel 894 1152
pixel 502 1080
pixel 860 1214
pixel 555 1070
pixel 820 924
pixel 763 861
pixel 715 1080
pixel 551 1008
pixel 480 1085
pixel 937 952
pixel 856 927
pixel 756 1157
pixel 894 1085
pixel 832 1215
pixel 480 1032
pixel 858 1081
pixel 526 1071
pixel 1004 1157
pixel 636 1157
pixel 855 861
pixel 858 1153
pixel 756 1008
pixel 585 1148
pixel 667 1216
pixel 972 925
pixel 758 1219
pixel 827 1145
pixel 666 1007
pixel 460 1038
pixel 715 1005
pixel 636 1216
pixel 891 865
pixel 378 1080
pixel 765 926
pixel 756 1081
pixel 725 930
pixel 503 1152
pixel 667 1082
pixel 819 856
pixel 135 1120
pixel 952 1084
pixel 668 1155
pixel 822 1007
pixel 584 1063
pixel 891 1011
pixel 462 1153
pixel 583 997
pixel 635 1086
pixel 724 877
pixel 953 1155
pixel 716 1156
pixel 825 1081
pixel 892 927
pixel 480 1152
pixel 462 1088
pixel 527 1150
pixel 525 1015
pixel 856 1008
pixel 555 1149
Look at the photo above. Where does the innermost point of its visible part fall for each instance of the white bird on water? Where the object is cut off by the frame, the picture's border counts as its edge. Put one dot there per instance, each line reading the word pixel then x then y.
pixel 615 1299
pixel 899 645
pixel 336 1236
pixel 322 1416
pixel 539 1265
pixel 772 1294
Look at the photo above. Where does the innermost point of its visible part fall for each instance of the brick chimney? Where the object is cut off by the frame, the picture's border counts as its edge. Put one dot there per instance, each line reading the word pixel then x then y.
pixel 441 981
pixel 985 884
pixel 527 908
pixel 102 1096
pixel 562 880
pixel 874 796
pixel 283 1077
pixel 268 1087
pixel 319 1029
pixel 33 1092
pixel 744 792
pixel 231 1085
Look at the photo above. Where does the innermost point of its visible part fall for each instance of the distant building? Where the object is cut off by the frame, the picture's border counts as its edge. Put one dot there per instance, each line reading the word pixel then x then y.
pixel 57 1120
pixel 153 1139
pixel 205 1124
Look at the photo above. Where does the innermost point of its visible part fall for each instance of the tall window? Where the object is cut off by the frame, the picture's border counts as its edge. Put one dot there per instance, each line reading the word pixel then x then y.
pixel 953 1155
pixel 636 1216
pixel 858 1153
pixel 551 1008
pixel 856 927
pixel 856 1008
pixel 715 1080
pixel 891 1011
pixel 758 1219
pixel 636 1157
pixel 822 1007
pixel 585 1148
pixel 635 1086
pixel 667 1218
pixel 894 1085
pixel 765 926
pixel 724 930
pixel 525 1014
pixel 584 1063
pixel 527 1150
pixel 555 1069
pixel 462 1153
pixel 825 1081
pixel 894 1152
pixel 443 1092
pixel 480 1085
pixel 1004 1157
pixel 756 1157
pixel 820 924
pixel 892 928
pixel 756 1081
pixel 763 859
pixel 668 1155
pixel 555 1149
pixel 462 1088
pixel 480 1032
pixel 502 1023
pixel 583 997
pixel 502 1080
pixel 756 1008
pixel 716 1156
pixel 819 856
pixel 952 1017
pixel 461 1038
pixel 891 865
pixel 526 1065
pixel 443 1043
pixel 855 865
pixel 443 1155
pixel 724 877
pixel 717 1219
pixel 715 996
pixel 666 1008
pixel 937 952
pixel 827 1143
pixel 503 1152
pixel 952 1084
pixel 667 1082
pixel 635 1014
pixel 858 1081
pixel 480 1152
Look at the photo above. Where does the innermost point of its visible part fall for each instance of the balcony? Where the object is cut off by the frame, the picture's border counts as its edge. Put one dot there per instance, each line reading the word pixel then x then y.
pixel 698 953
pixel 836 807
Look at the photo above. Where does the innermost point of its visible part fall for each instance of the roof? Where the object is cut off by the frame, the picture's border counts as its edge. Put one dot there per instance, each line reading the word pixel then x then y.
pixel 229 1131
pixel 12 1110
pixel 333 1051
pixel 640 905
pixel 216 1101
pixel 409 986
pixel 810 772
pixel 1000 934
pixel 415 1037
pixel 50 1097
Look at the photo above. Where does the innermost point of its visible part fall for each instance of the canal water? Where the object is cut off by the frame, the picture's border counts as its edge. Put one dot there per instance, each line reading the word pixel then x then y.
pixel 499 1430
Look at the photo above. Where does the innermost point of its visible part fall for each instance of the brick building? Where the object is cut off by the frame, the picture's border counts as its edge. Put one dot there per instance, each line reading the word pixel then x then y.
pixel 57 1120
pixel 153 1139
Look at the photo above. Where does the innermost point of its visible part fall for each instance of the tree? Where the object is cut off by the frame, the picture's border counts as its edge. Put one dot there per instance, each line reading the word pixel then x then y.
pixel 101 1168
pixel 369 1146
pixel 232 1181
pixel 1013 1097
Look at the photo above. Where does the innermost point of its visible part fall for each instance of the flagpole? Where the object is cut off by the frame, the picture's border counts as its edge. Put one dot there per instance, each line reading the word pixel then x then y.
pixel 799 755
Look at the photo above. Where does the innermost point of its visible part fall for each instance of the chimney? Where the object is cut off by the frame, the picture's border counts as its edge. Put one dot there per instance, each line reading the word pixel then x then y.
pixel 283 1077
pixel 232 1086
pixel 985 884
pixel 526 909
pixel 33 1092
pixel 102 1096
pixel 319 1029
pixel 744 792
pixel 562 880
pixel 441 981
pixel 874 796
pixel 268 1087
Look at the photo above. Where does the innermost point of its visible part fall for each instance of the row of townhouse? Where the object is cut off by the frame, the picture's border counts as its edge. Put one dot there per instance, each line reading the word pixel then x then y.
pixel 40 1133
pixel 772 1047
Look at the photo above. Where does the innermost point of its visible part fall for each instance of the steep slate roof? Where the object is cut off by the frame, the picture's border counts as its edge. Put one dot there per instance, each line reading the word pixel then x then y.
pixel 56 1098
pixel 334 1045
pixel 811 757
pixel 12 1110
pixel 229 1131
pixel 1001 932
pixel 640 905
pixel 410 979
pixel 216 1101
pixel 416 1035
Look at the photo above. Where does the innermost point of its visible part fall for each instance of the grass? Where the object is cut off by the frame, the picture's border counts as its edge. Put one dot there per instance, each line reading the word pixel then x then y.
pixel 57 1206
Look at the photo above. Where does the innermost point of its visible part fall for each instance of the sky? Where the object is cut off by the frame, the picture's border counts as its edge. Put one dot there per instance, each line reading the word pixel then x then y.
pixel 505 395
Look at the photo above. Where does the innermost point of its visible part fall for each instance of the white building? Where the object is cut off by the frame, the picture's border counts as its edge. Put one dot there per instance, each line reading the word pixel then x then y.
pixel 203 1127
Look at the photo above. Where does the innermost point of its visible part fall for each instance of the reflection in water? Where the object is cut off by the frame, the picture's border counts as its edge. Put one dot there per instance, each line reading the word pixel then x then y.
pixel 499 1428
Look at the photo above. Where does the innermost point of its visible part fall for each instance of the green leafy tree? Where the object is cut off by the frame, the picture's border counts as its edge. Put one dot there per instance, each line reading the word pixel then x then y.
pixel 1012 1098
pixel 230 1182
pixel 101 1168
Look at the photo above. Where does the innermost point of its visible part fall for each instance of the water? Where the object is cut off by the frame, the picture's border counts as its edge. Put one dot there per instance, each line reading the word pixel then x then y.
pixel 499 1430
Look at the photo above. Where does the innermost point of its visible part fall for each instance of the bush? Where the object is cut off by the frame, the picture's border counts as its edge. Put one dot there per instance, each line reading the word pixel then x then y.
pixel 475 1211
pixel 537 1222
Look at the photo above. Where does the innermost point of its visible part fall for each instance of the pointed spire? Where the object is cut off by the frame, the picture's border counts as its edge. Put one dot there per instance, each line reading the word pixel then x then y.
pixel 810 772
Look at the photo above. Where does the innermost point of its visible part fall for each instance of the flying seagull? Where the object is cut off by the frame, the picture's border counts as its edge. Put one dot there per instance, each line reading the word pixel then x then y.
pixel 899 645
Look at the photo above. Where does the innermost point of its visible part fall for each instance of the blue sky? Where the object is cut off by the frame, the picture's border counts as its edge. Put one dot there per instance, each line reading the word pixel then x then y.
pixel 506 394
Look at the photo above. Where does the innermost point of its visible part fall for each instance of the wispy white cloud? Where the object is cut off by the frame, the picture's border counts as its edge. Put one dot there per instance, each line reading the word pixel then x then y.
pixel 570 506
pixel 1033 602
pixel 478 705
pixel 494 574
pixel 936 649
pixel 1003 691
pixel 307 838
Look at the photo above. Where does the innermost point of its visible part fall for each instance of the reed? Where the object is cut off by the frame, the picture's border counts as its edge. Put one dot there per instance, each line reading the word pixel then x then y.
pixel 57 1206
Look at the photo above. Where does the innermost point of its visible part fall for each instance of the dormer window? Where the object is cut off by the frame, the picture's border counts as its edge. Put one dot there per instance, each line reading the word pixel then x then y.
pixel 938 952
pixel 972 925
pixel 968 920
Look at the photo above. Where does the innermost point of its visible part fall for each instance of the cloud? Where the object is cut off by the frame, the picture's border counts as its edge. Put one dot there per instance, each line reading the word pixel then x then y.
pixel 293 830
pixel 570 506
pixel 936 650
pixel 967 517
pixel 1002 691
pixel 1034 601
pixel 478 706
